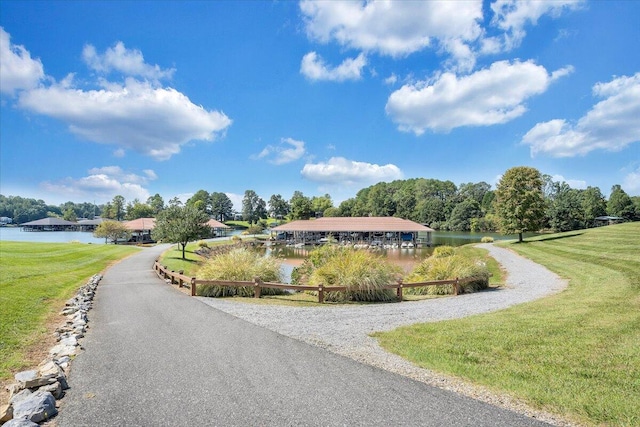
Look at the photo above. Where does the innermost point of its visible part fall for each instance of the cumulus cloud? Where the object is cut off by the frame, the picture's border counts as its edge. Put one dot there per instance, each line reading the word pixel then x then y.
pixel 611 124
pixel 135 115
pixel 17 69
pixel 490 96
pixel 391 28
pixel 512 16
pixel 313 67
pixel 102 184
pixel 129 62
pixel 288 151
pixel 339 170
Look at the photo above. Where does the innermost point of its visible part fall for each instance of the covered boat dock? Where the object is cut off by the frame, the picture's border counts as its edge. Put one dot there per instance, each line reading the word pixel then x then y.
pixel 384 232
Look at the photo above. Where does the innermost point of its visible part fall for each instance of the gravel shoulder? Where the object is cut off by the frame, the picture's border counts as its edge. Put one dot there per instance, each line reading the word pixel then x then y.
pixel 345 330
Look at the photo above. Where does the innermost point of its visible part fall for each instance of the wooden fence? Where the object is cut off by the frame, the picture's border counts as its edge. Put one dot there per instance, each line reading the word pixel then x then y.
pixel 177 277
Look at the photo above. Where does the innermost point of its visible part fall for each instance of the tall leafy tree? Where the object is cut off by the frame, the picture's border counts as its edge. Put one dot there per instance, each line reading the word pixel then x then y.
pixel 181 224
pixel 221 206
pixel 156 202
pixel 462 214
pixel 593 205
pixel 620 204
pixel 300 206
pixel 321 203
pixel 201 200
pixel 278 206
pixel 520 203
pixel 253 207
pixel 137 209
pixel 564 209
pixel 118 208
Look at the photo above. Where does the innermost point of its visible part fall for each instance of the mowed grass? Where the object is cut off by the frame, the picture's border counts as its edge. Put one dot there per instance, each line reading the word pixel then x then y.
pixel 35 281
pixel 576 353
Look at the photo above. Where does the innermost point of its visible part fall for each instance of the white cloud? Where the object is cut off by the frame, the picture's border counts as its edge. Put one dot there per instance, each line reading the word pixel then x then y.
pixel 313 67
pixel 391 80
pixel 578 184
pixel 102 184
pixel 512 16
pixel 339 170
pixel 281 154
pixel 490 96
pixel 631 183
pixel 611 124
pixel 17 69
pixel 391 28
pixel 129 62
pixel 137 116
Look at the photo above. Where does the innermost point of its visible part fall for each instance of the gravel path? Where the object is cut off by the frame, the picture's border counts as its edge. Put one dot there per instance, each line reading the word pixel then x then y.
pixel 345 329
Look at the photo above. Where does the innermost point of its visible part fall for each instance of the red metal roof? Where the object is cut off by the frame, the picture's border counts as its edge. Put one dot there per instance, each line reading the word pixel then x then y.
pixel 216 224
pixel 357 224
pixel 141 224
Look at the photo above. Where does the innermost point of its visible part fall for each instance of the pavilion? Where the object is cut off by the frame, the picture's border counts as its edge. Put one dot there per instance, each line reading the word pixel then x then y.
pixel 141 229
pixel 373 231
pixel 218 229
pixel 49 224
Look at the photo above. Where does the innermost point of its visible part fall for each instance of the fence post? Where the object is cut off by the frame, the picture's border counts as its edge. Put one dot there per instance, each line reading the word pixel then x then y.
pixel 193 286
pixel 257 289
pixel 400 289
pixel 320 294
pixel 456 287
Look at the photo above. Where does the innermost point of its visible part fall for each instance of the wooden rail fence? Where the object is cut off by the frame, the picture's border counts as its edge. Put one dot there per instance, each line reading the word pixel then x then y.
pixel 177 277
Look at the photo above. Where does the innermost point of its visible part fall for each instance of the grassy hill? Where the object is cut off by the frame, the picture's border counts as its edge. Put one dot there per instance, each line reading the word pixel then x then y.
pixel 576 353
pixel 35 281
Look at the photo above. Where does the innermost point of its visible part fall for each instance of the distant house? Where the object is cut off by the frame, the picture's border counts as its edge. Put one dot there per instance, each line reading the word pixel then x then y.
pixel 49 224
pixel 607 220
pixel 4 220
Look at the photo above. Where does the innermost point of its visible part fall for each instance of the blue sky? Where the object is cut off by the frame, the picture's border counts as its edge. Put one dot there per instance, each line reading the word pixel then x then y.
pixel 137 98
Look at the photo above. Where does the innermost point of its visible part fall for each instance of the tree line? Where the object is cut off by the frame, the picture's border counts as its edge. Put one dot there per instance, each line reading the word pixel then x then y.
pixel 439 204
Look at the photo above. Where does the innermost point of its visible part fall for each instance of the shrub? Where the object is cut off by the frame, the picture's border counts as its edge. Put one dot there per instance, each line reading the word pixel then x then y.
pixel 362 272
pixel 443 251
pixel 236 238
pixel 203 244
pixel 240 264
pixel 487 239
pixel 446 268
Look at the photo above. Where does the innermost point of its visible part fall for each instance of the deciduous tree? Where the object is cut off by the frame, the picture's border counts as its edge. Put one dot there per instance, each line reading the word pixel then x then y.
pixel 181 224
pixel 520 204
pixel 112 231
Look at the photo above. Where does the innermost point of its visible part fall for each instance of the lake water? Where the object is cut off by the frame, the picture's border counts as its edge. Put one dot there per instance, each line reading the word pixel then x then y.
pixel 16 234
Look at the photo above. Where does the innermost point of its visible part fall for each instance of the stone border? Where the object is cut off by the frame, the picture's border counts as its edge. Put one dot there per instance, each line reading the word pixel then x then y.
pixel 32 398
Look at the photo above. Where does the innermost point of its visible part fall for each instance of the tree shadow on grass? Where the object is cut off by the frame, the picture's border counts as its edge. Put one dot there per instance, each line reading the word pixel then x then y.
pixel 551 237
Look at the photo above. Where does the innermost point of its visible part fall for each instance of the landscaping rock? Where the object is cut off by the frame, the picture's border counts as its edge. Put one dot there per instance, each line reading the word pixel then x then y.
pixel 6 413
pixel 23 394
pixel 55 389
pixel 30 379
pixel 38 406
pixel 20 422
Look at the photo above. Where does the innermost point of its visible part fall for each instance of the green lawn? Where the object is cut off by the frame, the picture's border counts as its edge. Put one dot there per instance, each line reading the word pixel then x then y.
pixel 576 353
pixel 35 281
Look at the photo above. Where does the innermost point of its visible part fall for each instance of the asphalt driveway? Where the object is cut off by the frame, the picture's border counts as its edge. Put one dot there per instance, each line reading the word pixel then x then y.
pixel 157 357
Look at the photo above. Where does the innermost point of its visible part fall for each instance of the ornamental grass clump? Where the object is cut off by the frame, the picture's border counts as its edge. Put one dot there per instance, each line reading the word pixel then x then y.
pixel 447 267
pixel 362 272
pixel 240 264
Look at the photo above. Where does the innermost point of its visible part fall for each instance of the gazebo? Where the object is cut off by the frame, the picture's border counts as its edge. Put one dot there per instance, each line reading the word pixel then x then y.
pixel 372 231
pixel 218 229
pixel 48 224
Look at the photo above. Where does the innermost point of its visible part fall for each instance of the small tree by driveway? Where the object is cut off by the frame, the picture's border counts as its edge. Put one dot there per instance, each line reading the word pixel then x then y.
pixel 181 224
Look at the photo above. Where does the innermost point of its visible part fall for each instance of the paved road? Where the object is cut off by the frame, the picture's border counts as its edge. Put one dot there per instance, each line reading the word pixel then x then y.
pixel 156 357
